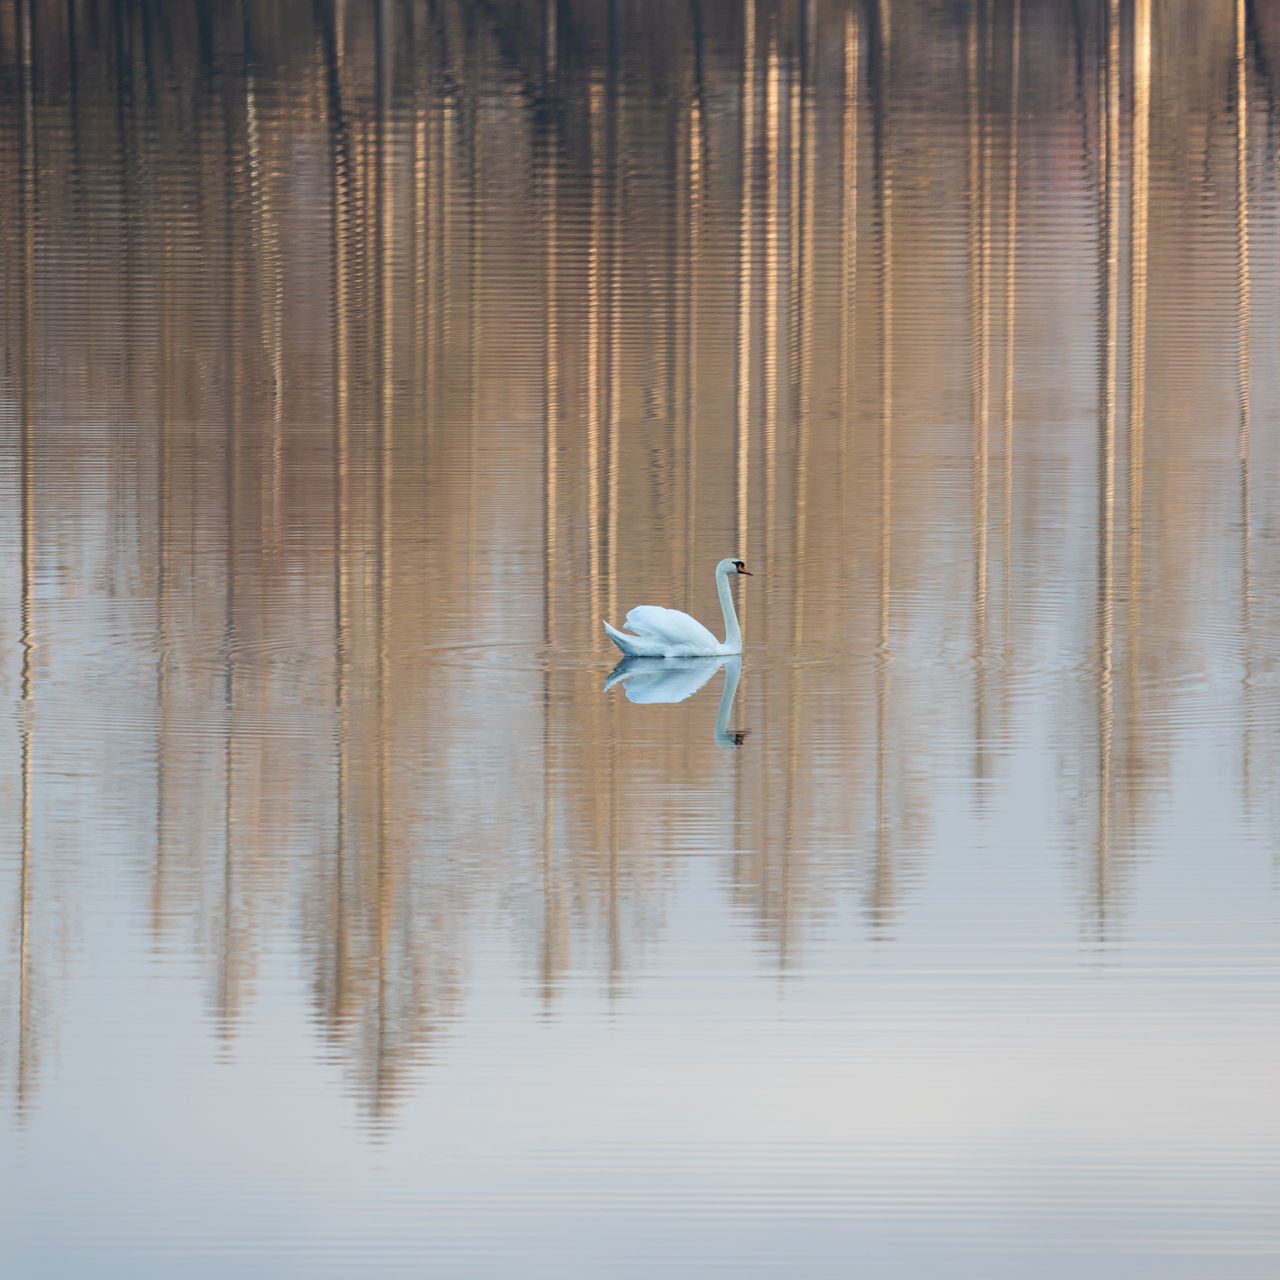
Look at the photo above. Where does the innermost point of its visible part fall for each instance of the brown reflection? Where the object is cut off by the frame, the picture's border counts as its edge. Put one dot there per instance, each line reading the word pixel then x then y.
pixel 772 266
pixel 884 887
pixel 265 259
pixel 231 966
pixel 594 353
pixel 333 1012
pixel 1109 287
pixel 746 290
pixel 420 338
pixel 1244 326
pixel 1010 330
pixel 804 230
pixel 28 176
pixel 553 948
pixel 381 1083
pixel 687 405
pixel 848 255
pixel 614 215
pixel 1135 749
pixel 163 578
pixel 979 254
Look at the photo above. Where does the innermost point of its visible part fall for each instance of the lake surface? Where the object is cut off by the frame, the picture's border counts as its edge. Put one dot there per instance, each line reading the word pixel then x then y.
pixel 359 359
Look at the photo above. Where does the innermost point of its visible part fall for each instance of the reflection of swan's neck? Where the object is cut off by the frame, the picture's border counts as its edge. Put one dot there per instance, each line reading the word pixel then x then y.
pixel 732 670
pixel 732 633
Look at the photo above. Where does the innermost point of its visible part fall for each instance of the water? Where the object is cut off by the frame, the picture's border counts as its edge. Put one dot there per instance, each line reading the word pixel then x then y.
pixel 358 361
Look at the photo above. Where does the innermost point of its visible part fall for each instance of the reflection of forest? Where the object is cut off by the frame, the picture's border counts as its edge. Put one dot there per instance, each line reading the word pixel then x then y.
pixel 340 345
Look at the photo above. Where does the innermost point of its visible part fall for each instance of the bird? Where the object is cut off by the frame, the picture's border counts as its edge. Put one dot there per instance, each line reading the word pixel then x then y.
pixel 656 632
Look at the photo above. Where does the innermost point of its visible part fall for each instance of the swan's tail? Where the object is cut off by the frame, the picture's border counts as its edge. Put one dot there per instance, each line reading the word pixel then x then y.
pixel 624 642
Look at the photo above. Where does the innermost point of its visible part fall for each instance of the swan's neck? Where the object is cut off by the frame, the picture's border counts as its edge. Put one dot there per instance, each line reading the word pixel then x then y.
pixel 732 632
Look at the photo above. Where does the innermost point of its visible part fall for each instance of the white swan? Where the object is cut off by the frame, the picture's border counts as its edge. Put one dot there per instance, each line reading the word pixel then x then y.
pixel 668 633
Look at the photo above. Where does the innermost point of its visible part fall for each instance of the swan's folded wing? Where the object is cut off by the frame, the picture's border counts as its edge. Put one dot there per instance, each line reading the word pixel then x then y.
pixel 671 627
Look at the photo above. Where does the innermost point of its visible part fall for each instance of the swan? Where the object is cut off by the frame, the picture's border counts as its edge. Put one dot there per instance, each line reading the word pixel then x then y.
pixel 668 633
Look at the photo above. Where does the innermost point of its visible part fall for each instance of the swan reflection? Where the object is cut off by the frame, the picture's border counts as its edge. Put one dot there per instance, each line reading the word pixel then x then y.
pixel 648 680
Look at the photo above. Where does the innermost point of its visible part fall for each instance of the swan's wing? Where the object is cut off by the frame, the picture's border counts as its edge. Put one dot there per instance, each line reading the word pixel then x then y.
pixel 663 679
pixel 670 627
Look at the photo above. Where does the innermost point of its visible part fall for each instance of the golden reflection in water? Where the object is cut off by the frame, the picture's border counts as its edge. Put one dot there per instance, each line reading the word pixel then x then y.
pixel 265 262
pixel 1139 259
pixel 167 324
pixel 1109 244
pixel 1010 310
pixel 435 195
pixel 615 188
pixel 687 421
pixel 398 445
pixel 25 1071
pixel 552 946
pixel 1244 338
pixel 470 121
pixel 594 346
pixel 418 251
pixel 772 267
pixel 746 293
pixel 381 1087
pixel 848 257
pixel 551 358
pixel 979 263
pixel 333 984
pixel 232 966
pixel 804 327
pixel 883 890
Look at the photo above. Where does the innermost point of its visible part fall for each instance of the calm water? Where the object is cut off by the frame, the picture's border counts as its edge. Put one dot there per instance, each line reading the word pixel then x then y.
pixel 358 359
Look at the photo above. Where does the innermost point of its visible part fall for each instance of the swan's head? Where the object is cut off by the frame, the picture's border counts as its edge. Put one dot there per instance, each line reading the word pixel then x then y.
pixel 729 566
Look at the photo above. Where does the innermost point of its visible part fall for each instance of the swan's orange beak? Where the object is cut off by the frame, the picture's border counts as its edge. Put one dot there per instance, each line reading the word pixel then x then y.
pixel 746 571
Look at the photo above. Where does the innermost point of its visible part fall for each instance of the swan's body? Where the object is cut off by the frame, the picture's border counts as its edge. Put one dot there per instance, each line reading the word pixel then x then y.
pixel 655 632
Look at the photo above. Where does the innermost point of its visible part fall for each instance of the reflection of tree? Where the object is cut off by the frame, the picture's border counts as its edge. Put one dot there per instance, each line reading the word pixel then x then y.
pixel 27 945
pixel 1244 333
pixel 341 351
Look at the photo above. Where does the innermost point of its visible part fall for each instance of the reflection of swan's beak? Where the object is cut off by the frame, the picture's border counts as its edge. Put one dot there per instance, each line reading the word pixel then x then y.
pixel 731 739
